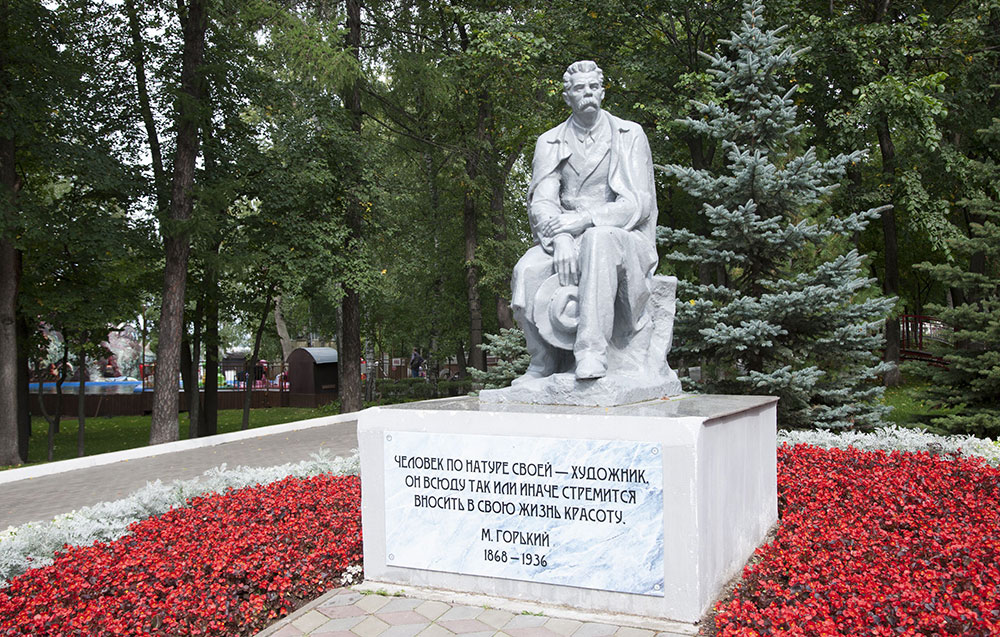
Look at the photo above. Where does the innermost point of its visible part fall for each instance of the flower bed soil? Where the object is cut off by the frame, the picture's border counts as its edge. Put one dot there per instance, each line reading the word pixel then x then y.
pixel 875 543
pixel 227 564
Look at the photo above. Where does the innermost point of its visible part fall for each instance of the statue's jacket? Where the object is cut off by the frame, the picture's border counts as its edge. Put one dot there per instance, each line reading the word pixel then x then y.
pixel 630 178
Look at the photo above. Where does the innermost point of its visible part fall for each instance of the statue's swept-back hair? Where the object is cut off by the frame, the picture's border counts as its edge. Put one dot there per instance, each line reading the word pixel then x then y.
pixel 582 66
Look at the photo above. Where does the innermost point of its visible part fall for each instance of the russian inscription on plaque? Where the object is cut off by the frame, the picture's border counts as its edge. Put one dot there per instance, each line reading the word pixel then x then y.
pixel 584 513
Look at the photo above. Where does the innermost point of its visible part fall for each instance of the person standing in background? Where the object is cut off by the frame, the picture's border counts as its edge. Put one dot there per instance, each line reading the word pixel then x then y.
pixel 416 360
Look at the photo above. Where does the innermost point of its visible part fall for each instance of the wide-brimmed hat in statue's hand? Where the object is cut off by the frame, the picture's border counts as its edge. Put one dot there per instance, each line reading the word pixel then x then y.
pixel 556 312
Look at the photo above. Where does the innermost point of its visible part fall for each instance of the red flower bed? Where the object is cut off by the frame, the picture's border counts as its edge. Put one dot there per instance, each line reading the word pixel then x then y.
pixel 226 564
pixel 875 543
pixel 870 543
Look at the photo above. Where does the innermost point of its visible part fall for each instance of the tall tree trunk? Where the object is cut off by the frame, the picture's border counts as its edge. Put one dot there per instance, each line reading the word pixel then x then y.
pixel 186 367
pixel 505 316
pixel 252 362
pixel 279 324
pixel 10 281
pixel 463 364
pixel 139 61
pixel 434 196
pixel 50 419
pixel 208 424
pixel 891 282
pixel 165 426
pixel 81 399
pixel 10 266
pixel 23 388
pixel 470 221
pixel 701 159
pixel 350 345
pixel 471 225
pixel 63 371
pixel 194 397
pixel 373 366
pixel 54 421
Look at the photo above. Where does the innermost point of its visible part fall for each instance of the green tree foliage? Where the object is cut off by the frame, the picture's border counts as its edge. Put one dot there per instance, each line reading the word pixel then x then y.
pixel 653 70
pixel 29 57
pixel 512 357
pixel 971 381
pixel 380 151
pixel 792 316
pixel 81 247
pixel 462 96
pixel 906 81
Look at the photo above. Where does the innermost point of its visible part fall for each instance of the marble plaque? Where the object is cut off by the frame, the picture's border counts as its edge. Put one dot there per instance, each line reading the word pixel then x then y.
pixel 584 513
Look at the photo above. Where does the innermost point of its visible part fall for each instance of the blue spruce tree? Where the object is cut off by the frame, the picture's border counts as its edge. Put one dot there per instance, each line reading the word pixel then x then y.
pixel 790 313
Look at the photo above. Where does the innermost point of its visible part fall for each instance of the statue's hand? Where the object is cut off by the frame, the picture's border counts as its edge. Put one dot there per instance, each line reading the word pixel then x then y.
pixel 568 222
pixel 564 255
pixel 550 227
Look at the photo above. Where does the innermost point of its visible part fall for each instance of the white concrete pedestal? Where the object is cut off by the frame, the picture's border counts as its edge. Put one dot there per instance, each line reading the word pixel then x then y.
pixel 658 539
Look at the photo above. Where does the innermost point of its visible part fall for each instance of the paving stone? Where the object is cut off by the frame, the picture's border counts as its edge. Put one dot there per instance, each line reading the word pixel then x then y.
pixel 531 631
pixel 345 598
pixel 336 612
pixel 592 629
pixel 626 631
pixel 464 626
pixel 670 634
pixel 485 633
pixel 335 633
pixel 372 603
pixel 43 497
pixel 495 618
pixel 310 621
pixel 288 631
pixel 405 630
pixel 370 627
pixel 563 626
pixel 435 631
pixel 400 603
pixel 342 623
pixel 432 610
pixel 524 621
pixel 462 612
pixel 401 617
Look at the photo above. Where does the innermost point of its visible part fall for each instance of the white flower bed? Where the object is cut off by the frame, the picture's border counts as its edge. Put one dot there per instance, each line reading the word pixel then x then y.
pixel 33 545
pixel 897 438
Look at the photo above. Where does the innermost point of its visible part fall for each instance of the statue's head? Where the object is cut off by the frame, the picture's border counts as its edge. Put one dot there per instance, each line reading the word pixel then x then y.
pixel 583 86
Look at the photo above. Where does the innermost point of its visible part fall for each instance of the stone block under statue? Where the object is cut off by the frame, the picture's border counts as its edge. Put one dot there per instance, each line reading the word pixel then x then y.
pixel 645 509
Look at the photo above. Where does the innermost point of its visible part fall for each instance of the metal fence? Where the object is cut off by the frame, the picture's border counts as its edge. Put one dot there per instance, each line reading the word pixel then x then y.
pixel 232 376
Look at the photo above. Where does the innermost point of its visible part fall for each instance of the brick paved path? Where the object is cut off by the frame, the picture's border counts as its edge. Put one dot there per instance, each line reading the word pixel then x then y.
pixel 347 613
pixel 41 498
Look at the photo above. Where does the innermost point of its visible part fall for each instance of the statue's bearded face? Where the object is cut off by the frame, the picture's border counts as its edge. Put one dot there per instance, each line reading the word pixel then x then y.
pixel 585 93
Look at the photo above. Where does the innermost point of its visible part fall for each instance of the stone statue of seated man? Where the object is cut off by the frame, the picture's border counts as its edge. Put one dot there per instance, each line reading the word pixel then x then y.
pixel 585 294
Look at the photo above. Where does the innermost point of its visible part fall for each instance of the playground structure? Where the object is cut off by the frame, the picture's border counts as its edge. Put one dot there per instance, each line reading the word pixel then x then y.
pixel 268 387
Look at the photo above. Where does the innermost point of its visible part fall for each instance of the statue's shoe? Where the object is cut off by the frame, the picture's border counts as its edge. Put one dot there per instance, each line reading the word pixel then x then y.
pixel 528 375
pixel 589 367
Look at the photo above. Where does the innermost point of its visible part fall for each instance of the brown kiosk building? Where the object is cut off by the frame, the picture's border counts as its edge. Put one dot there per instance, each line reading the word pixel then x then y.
pixel 312 376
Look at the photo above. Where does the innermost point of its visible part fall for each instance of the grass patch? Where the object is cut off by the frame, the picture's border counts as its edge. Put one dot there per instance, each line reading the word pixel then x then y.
pixel 912 406
pixel 103 434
